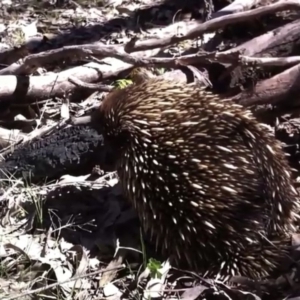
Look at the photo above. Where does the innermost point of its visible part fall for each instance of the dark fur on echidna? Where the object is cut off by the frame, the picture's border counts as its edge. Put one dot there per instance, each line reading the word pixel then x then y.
pixel 205 177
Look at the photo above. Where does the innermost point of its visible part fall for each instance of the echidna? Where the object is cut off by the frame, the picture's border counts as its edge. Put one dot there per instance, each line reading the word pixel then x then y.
pixel 210 183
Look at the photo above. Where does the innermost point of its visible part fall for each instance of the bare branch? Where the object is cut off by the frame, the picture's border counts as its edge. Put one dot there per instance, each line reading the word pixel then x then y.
pixel 270 61
pixel 90 86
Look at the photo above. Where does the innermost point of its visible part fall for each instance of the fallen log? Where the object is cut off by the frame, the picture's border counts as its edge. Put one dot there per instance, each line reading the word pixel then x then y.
pixel 282 89
pixel 280 42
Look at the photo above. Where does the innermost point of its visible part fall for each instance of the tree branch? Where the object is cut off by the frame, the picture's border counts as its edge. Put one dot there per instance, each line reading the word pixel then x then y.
pixel 212 25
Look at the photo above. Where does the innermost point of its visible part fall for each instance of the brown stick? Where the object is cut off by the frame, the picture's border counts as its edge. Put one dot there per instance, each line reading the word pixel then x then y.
pixel 91 86
pixel 234 59
pixel 85 120
pixel 282 87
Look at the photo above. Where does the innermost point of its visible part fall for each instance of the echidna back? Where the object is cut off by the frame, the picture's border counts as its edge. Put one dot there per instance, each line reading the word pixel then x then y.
pixel 280 195
pixel 206 179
